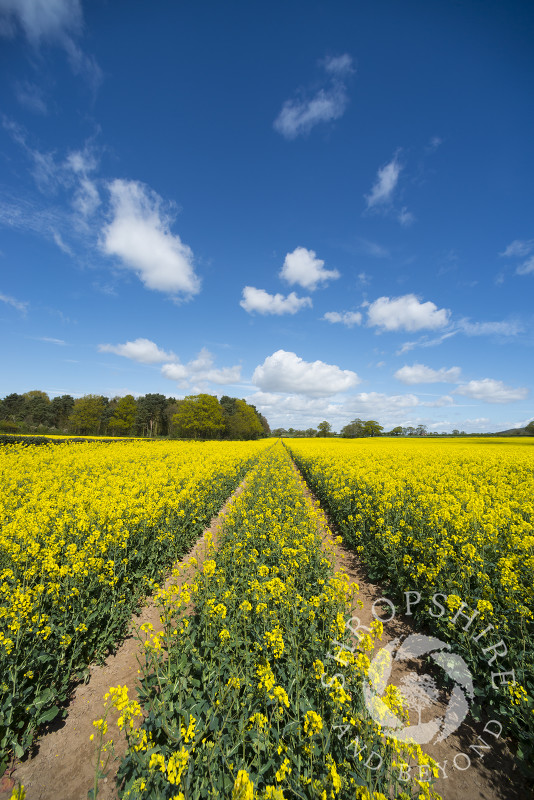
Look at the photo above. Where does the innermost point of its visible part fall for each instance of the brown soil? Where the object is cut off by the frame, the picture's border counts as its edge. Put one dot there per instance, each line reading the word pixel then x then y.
pixel 62 764
pixel 493 777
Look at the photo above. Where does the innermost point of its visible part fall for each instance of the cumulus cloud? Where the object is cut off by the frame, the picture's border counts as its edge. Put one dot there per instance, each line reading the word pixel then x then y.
pixel 385 184
pixel 264 303
pixel 489 390
pixel 10 301
pixel 201 370
pixel 348 318
pixel 284 371
pixel 406 313
pixel 303 267
pixel 142 350
pixel 139 235
pixel 299 115
pixel 419 373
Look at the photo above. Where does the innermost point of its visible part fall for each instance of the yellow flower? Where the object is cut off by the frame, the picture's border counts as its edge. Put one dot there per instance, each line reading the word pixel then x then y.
pixel 243 787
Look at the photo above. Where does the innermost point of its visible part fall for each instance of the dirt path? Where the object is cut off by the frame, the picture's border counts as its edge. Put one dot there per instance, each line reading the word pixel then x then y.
pixel 62 766
pixel 494 777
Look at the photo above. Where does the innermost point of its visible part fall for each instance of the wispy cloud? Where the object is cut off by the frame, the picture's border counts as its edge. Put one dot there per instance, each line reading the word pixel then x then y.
pixel 21 306
pixel 347 318
pixel 264 303
pixel 49 340
pixel 51 22
pixel 329 102
pixel 502 328
pixel 521 248
pixel 31 97
pixel 385 183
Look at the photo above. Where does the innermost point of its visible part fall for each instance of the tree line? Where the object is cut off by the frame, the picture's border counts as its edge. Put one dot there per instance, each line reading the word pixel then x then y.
pixel 200 416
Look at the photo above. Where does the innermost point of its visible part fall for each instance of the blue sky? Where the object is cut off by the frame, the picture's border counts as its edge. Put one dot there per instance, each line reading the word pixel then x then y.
pixel 324 208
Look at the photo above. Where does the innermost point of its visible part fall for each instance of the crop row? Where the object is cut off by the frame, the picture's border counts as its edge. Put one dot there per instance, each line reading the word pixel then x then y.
pixel 239 698
pixel 451 521
pixel 86 532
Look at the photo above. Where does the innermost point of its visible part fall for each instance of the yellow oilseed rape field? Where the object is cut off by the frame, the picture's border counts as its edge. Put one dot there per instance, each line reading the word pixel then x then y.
pixel 258 684
pixel 259 694
pixel 446 526
pixel 87 529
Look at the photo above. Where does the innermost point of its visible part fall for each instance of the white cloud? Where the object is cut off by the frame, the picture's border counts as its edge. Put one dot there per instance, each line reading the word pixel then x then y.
pixel 31 97
pixel 418 373
pixel 201 370
pixel 174 372
pixel 339 65
pixel 50 340
pixel 20 306
pixel 82 163
pixel 406 313
pixel 264 303
pixel 385 184
pixel 57 22
pixel 348 318
pixel 374 249
pixel 299 116
pixel 527 267
pixel 405 217
pixel 519 248
pixel 139 234
pixel 303 267
pixel 48 20
pixel 491 391
pixel 61 244
pixel 444 400
pixel 285 372
pixel 504 328
pixel 142 350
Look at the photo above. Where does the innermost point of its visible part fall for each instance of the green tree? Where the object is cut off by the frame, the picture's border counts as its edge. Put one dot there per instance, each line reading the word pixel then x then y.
pixel 529 429
pixel 200 417
pixel 324 428
pixel 372 428
pixel 354 429
pixel 13 407
pixel 244 422
pixel 60 408
pixel 87 413
pixel 396 431
pixel 150 419
pixel 123 417
pixel 38 410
